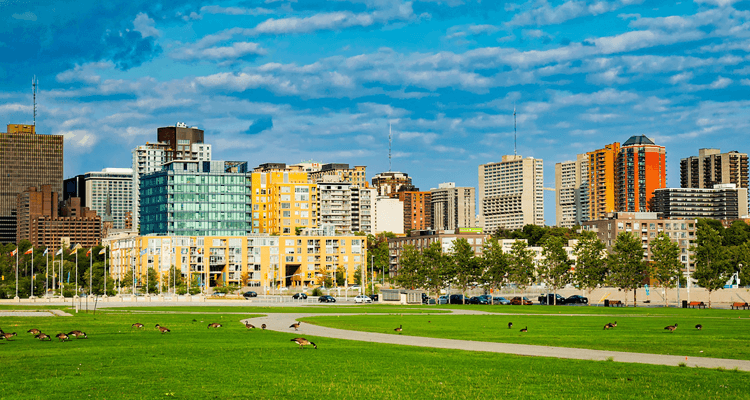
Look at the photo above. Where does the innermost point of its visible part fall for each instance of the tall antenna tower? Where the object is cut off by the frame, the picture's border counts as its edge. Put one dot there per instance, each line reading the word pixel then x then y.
pixel 390 144
pixel 515 131
pixel 34 83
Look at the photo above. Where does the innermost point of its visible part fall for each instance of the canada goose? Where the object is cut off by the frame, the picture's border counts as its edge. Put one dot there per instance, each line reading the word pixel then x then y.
pixel 698 327
pixel 63 337
pixel 7 335
pixel 671 328
pixel 249 325
pixel 524 330
pixel 162 329
pixel 214 325
pixel 610 325
pixel 510 325
pixel 263 326
pixel 399 329
pixel 78 334
pixel 137 325
pixel 295 325
pixel 304 342
pixel 34 331
pixel 42 336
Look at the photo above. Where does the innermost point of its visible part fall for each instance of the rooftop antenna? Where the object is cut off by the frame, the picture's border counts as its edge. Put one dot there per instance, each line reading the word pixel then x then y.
pixel 515 131
pixel 390 143
pixel 34 83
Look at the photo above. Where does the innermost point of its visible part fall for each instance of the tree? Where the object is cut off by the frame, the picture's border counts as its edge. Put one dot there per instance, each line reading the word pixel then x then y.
pixel 665 262
pixel 591 265
pixel 409 268
pixel 464 265
pixel 521 265
pixel 494 263
pixel 554 269
pixel 627 269
pixel 739 261
pixel 378 251
pixel 151 281
pixel 711 266
pixel 436 269
pixel 341 277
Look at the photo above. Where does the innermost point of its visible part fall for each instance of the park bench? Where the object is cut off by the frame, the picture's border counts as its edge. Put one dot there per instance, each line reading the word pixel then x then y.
pixel 698 304
pixel 737 305
pixel 615 303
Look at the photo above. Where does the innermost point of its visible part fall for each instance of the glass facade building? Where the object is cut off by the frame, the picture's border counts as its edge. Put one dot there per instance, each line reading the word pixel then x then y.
pixel 197 198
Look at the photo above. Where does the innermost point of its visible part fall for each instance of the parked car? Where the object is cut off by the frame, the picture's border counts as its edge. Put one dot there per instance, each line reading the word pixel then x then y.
pixel 549 298
pixel 427 299
pixel 500 300
pixel 249 294
pixel 517 301
pixel 298 296
pixel 374 297
pixel 478 300
pixel 362 299
pixel 326 299
pixel 576 299
pixel 443 299
pixel 456 299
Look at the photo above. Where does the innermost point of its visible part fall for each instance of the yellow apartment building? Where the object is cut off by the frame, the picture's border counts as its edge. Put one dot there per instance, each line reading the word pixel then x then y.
pixel 282 200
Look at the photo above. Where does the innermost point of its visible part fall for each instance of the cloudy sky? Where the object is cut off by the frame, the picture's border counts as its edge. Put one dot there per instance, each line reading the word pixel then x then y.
pixel 293 80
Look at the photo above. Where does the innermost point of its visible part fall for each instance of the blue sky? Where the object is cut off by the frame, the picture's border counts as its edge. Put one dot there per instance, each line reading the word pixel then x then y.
pixel 286 81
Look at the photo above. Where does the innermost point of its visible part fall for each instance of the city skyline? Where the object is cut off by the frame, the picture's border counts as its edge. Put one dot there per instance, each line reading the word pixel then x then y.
pixel 286 81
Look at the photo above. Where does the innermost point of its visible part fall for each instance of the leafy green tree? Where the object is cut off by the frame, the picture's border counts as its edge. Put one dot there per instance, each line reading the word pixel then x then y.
pixel 711 265
pixel 378 251
pixel 737 234
pixel 340 276
pixel 591 263
pixel 151 281
pixel 665 262
pixel 739 260
pixel 465 267
pixel 554 269
pixel 436 268
pixel 358 276
pixel 627 269
pixel 494 263
pixel 410 268
pixel 521 265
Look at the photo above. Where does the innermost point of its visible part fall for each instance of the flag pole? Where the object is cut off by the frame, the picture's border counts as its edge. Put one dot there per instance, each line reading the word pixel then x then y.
pixel 105 271
pixel 76 272
pixel 46 274
pixel 91 271
pixel 17 248
pixel 32 271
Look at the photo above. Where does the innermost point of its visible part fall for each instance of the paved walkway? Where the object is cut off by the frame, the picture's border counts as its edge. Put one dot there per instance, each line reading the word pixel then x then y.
pixel 281 323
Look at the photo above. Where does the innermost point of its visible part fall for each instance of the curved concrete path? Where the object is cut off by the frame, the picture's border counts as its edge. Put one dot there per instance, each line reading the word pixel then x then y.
pixel 281 323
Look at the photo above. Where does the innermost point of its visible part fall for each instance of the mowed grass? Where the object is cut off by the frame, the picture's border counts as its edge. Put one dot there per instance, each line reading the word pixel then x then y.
pixel 322 309
pixel 721 337
pixel 599 310
pixel 117 362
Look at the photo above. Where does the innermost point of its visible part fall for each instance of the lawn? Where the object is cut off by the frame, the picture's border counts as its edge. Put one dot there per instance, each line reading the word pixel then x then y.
pixel 322 309
pixel 586 310
pixel 118 362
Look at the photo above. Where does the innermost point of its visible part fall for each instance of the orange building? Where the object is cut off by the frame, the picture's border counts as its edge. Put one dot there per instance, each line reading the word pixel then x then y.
pixel 602 175
pixel 641 169
pixel 417 210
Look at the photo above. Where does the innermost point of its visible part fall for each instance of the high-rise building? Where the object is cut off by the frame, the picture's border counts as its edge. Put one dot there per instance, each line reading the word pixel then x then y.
pixel 283 200
pixel 184 143
pixel 388 183
pixel 342 172
pixel 724 201
pixel 453 207
pixel 417 210
pixel 96 188
pixel 389 216
pixel 712 167
pixel 196 198
pixel 27 159
pixel 602 172
pixel 641 169
pixel 572 192
pixel 344 205
pixel 511 193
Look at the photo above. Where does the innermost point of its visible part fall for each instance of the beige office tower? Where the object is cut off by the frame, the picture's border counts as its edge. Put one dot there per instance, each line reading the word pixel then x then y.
pixel 511 193
pixel 572 192
pixel 453 207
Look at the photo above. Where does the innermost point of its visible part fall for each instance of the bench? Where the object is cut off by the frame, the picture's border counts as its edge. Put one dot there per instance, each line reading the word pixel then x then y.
pixel 698 304
pixel 737 305
pixel 613 303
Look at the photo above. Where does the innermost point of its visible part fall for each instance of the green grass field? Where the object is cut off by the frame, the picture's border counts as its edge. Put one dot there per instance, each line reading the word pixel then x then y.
pixel 322 309
pixel 118 362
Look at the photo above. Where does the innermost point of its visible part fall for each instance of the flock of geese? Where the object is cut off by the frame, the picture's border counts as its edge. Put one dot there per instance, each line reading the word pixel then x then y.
pixel 62 336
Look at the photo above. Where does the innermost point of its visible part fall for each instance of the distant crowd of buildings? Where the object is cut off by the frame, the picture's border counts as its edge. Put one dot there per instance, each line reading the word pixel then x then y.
pixel 228 222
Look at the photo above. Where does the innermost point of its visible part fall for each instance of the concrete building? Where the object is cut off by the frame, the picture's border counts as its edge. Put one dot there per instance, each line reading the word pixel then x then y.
pixel 420 240
pixel 417 210
pixel 96 188
pixel 257 260
pixel 713 167
pixel 388 183
pixel 198 198
pixel 724 201
pixel 453 207
pixel 641 169
pixel 511 193
pixel 646 226
pixel 602 168
pixel 42 222
pixel 389 216
pixel 27 159
pixel 341 172
pixel 344 205
pixel 283 200
pixel 572 192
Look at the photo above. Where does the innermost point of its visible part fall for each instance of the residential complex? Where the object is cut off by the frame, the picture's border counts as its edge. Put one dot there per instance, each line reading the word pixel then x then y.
pixel 417 210
pixel 641 169
pixel 724 201
pixel 27 159
pixel 97 188
pixel 572 192
pixel 387 183
pixel 389 216
pixel 511 193
pixel 341 172
pixel 602 171
pixel 712 167
pixel 452 207
pixel 283 200
pixel 346 206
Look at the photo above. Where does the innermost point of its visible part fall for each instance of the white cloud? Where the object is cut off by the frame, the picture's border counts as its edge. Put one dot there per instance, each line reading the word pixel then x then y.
pixel 81 139
pixel 236 51
pixel 745 82
pixel 680 78
pixel 145 25
pixel 235 10
pixel 720 83
pixel 545 14
pixel 27 16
